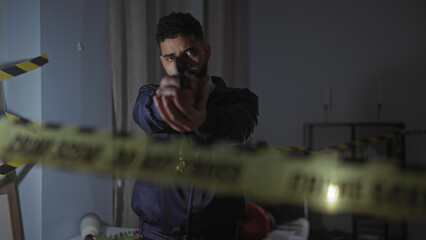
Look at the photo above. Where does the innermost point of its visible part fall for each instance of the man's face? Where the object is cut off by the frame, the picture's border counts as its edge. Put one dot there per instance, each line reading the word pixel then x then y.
pixel 197 54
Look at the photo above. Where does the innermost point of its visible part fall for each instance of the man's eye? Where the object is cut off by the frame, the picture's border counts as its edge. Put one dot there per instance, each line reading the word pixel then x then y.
pixel 190 52
pixel 170 58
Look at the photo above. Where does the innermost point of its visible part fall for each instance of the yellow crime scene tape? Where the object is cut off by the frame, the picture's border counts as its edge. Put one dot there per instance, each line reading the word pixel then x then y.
pixel 10 72
pixel 327 184
pixel 23 67
pixel 10 166
pixel 355 143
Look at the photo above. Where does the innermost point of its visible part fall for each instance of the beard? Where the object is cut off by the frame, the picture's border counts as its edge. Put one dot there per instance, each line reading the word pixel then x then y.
pixel 202 73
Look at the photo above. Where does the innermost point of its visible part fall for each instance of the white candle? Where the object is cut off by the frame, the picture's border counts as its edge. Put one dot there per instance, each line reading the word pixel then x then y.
pixel 90 225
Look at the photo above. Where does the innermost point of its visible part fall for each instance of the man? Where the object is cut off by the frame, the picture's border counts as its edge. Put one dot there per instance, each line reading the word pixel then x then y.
pixel 206 111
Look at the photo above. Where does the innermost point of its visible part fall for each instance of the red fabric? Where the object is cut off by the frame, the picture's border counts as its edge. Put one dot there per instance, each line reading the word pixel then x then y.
pixel 255 225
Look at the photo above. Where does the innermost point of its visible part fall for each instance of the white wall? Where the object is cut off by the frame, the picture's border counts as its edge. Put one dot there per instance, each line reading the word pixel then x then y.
pixel 73 88
pixel 298 47
pixel 76 90
pixel 20 40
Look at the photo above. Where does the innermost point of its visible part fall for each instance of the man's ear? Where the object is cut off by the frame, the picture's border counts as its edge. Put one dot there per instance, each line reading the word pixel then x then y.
pixel 207 49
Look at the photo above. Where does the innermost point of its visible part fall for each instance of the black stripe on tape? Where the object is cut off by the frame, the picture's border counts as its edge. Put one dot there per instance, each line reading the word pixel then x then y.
pixel 5 168
pixel 39 61
pixel 22 121
pixel 52 125
pixel 14 71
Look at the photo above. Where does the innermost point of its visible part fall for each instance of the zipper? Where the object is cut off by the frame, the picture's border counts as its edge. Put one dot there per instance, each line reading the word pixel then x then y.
pixel 189 210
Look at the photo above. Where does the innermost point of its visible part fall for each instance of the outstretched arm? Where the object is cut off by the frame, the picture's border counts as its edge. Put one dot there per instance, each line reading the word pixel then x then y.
pixel 159 109
pixel 231 116
pixel 184 110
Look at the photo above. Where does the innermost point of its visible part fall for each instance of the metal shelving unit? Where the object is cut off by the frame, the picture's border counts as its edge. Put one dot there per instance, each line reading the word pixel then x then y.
pixel 324 134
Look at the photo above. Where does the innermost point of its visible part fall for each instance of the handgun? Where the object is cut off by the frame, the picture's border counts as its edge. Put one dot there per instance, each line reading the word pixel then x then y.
pixel 181 67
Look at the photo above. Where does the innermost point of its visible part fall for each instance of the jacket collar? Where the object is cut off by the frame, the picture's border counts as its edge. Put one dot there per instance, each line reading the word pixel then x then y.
pixel 220 86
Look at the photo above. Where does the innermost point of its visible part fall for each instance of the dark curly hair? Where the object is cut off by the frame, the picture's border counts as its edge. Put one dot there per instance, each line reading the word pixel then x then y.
pixel 178 24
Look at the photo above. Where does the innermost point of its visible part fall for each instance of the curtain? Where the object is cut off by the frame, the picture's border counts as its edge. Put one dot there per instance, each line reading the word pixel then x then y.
pixel 136 61
pixel 226 29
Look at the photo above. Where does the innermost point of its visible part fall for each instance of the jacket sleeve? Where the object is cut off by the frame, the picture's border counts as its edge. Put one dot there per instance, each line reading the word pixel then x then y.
pixel 145 113
pixel 234 121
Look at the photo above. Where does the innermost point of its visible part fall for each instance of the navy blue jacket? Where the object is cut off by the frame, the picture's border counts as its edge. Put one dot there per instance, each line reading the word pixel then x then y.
pixel 169 212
